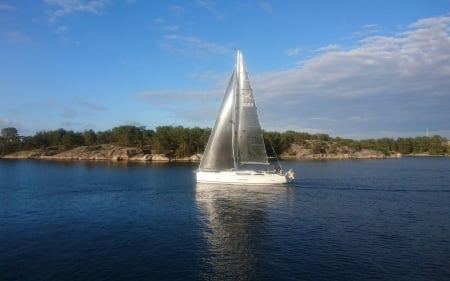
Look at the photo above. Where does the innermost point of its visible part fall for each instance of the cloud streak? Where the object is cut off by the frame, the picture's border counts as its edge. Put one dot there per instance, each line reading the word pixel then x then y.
pixel 193 107
pixel 92 106
pixel 61 8
pixel 192 46
pixel 177 97
pixel 211 7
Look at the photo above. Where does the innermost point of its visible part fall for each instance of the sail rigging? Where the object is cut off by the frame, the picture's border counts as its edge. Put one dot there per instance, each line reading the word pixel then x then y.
pixel 236 138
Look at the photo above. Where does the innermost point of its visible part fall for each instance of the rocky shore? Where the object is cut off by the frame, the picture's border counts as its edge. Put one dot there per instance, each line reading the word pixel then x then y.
pixel 298 152
pixel 110 152
pixel 106 152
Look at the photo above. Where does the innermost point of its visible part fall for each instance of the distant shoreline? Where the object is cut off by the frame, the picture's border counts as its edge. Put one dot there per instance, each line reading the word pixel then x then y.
pixel 115 153
pixel 179 144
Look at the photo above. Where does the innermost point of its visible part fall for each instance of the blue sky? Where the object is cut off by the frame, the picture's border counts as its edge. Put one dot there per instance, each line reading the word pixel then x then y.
pixel 356 69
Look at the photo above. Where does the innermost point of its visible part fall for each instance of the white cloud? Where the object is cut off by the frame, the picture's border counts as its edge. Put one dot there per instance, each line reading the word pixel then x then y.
pixel 191 46
pixel 332 47
pixel 61 8
pixel 293 52
pixel 372 28
pixel 395 82
pixel 367 30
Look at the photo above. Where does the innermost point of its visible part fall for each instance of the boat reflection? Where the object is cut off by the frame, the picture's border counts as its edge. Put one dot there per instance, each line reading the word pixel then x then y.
pixel 237 228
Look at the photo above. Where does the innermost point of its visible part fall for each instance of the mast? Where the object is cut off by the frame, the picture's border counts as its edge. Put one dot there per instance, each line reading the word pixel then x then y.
pixel 236 109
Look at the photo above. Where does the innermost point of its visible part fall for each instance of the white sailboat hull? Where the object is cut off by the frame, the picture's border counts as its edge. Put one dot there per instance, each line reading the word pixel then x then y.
pixel 241 177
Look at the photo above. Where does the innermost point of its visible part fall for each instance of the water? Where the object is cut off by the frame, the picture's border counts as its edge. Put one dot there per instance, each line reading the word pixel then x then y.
pixel 341 220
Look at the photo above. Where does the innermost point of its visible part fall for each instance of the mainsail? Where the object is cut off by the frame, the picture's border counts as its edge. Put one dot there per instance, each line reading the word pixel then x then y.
pixel 236 138
pixel 251 142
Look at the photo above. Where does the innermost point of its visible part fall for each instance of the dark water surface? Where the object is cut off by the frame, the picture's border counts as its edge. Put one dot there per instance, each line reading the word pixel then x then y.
pixel 341 220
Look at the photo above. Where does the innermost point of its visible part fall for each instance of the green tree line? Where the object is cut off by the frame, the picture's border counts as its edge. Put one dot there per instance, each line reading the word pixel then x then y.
pixel 174 141
pixel 323 143
pixel 178 141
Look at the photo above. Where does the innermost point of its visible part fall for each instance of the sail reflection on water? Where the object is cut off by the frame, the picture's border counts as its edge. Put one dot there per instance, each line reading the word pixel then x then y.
pixel 237 228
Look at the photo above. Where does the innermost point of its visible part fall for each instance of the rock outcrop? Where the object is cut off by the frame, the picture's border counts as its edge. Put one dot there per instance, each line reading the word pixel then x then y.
pixel 298 152
pixel 106 152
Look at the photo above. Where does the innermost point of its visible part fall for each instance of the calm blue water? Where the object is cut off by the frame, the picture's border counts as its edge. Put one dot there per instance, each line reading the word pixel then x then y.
pixel 341 220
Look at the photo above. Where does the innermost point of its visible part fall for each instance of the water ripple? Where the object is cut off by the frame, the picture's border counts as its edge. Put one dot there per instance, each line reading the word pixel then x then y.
pixel 342 220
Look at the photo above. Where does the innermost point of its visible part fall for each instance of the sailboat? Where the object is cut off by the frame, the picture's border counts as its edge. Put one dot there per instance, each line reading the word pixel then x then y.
pixel 235 152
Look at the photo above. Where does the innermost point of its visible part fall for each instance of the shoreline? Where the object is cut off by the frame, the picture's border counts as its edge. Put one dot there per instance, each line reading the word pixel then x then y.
pixel 114 153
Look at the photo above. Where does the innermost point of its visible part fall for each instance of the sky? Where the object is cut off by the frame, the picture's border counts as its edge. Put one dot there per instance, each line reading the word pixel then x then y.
pixel 350 68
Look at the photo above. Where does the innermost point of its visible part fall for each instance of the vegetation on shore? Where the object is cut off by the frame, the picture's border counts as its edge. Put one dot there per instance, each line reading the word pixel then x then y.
pixel 178 142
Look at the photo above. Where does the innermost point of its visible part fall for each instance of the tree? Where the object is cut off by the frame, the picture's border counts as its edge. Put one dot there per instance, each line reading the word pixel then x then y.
pixel 41 139
pixel 9 140
pixel 421 144
pixel 405 145
pixel 71 139
pixel 105 137
pixel 275 144
pixel 10 133
pixel 196 140
pixel 164 142
pixel 437 145
pixel 89 137
pixel 55 137
pixel 318 146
